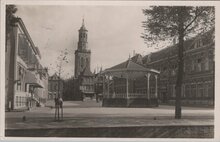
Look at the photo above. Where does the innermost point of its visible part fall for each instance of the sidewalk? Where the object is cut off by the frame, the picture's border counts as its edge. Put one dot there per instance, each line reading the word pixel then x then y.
pixel 108 117
pixel 89 119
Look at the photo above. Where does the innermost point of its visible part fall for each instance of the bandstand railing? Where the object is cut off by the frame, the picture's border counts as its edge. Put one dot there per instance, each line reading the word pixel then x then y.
pixel 124 95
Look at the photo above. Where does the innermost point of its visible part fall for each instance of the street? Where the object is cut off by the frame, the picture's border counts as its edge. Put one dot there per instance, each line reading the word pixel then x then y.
pixel 90 114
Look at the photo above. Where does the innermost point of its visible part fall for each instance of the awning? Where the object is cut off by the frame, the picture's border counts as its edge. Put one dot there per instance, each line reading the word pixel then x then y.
pixel 32 80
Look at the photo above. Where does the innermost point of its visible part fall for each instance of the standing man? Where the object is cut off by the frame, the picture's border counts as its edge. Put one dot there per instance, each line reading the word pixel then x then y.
pixel 61 106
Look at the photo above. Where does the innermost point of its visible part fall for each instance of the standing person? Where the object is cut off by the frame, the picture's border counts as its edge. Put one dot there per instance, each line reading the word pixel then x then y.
pixel 97 97
pixel 61 106
pixel 56 100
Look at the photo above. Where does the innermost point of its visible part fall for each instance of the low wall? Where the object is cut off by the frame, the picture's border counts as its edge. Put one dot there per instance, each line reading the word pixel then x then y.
pixel 204 103
pixel 205 131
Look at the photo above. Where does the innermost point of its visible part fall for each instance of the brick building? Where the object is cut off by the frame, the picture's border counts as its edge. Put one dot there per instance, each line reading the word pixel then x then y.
pixel 55 87
pixel 198 80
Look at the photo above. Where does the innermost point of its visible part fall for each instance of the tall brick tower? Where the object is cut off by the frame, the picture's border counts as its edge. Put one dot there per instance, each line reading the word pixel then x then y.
pixel 82 65
pixel 82 54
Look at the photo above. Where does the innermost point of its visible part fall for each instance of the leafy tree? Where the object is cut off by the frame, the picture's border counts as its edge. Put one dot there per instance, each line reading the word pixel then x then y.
pixel 168 22
pixel 10 17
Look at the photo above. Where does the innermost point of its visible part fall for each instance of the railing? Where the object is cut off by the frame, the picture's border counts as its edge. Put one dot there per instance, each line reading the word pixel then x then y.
pixel 124 95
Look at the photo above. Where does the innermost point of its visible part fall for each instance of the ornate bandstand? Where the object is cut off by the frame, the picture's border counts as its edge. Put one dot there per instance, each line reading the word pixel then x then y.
pixel 130 84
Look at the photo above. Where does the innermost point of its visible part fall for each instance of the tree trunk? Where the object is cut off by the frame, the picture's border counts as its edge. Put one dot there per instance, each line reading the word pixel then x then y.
pixel 180 63
pixel 12 59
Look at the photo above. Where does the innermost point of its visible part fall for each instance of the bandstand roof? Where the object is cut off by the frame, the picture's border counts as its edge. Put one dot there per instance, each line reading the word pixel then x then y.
pixel 129 69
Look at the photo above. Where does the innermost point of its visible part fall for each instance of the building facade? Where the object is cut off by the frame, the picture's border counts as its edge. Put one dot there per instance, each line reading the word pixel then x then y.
pixel 69 88
pixel 198 77
pixel 25 78
pixel 82 64
pixel 55 87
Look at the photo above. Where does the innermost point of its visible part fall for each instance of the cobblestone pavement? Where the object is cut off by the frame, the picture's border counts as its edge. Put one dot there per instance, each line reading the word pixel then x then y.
pixel 90 114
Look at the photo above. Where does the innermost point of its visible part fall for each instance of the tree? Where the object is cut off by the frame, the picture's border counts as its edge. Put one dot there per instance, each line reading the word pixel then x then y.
pixel 62 58
pixel 10 55
pixel 164 23
pixel 10 17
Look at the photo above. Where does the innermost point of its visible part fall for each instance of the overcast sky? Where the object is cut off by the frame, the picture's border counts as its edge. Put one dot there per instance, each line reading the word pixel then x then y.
pixel 113 33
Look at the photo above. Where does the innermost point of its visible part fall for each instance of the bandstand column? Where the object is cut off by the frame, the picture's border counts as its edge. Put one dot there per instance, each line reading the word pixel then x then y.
pixel 103 85
pixel 127 86
pixel 108 86
pixel 113 87
pixel 156 86
pixel 148 86
pixel 127 91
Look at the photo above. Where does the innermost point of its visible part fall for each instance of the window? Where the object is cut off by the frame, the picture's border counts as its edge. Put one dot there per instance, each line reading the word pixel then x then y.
pixel 87 61
pixel 210 90
pixel 206 91
pixel 174 70
pixel 55 87
pixel 17 101
pixel 200 90
pixel 187 91
pixel 183 91
pixel 22 101
pixel 82 62
pixel 193 91
pixel 199 64
pixel 174 91
pixel 51 88
pixel 193 65
pixel 206 64
pixel 198 43
pixel 210 64
pixel 195 45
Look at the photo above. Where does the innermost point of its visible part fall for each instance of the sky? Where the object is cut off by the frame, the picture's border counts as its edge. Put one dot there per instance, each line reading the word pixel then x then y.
pixel 113 33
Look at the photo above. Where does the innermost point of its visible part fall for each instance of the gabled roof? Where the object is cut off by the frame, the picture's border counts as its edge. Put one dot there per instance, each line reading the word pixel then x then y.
pixel 86 72
pixel 173 49
pixel 129 65
pixel 137 59
pixel 129 69
pixel 54 77
pixel 23 27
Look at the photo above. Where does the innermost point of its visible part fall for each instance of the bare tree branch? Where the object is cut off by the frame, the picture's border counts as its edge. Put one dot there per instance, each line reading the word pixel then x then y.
pixel 193 20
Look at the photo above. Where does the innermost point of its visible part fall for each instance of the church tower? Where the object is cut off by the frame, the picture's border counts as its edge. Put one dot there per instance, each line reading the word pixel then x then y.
pixel 82 54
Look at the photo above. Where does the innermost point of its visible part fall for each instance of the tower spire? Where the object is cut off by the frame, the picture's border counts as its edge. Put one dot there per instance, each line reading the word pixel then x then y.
pixel 83 20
